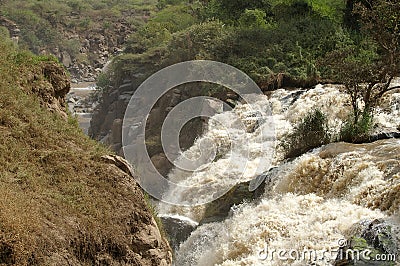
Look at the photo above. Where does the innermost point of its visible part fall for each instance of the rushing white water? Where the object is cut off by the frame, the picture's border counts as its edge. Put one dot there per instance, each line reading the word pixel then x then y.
pixel 242 145
pixel 312 201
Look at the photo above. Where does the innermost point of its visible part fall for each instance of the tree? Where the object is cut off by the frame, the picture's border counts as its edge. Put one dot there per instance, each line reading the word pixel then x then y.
pixel 368 67
pixel 253 18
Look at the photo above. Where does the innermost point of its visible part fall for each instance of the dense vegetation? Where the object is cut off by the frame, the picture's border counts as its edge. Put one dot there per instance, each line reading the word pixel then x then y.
pixel 349 42
pixel 42 22
pixel 262 38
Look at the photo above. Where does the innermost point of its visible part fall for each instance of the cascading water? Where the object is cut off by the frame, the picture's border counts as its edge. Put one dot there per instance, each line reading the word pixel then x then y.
pixel 309 202
pixel 242 147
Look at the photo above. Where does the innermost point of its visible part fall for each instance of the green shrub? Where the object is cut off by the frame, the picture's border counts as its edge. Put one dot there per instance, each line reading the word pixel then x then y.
pixel 253 18
pixel 175 18
pixel 359 131
pixel 310 133
pixel 280 67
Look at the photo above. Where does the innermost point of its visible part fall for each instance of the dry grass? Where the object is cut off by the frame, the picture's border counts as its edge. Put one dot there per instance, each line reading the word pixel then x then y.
pixel 58 201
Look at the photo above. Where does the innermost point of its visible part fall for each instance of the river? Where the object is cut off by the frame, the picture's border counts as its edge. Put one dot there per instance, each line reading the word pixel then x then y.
pixel 310 202
pixel 80 103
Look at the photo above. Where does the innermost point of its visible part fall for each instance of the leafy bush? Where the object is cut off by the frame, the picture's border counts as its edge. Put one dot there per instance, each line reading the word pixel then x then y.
pixel 357 131
pixel 310 133
pixel 230 11
pixel 253 18
pixel 150 35
pixel 175 18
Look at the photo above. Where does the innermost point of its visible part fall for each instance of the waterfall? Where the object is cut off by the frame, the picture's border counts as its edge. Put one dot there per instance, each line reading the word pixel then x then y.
pixel 309 203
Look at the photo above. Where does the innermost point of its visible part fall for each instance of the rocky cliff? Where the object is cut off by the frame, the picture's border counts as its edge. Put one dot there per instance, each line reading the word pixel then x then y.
pixel 63 199
pixel 96 47
pixel 106 124
pixel 83 36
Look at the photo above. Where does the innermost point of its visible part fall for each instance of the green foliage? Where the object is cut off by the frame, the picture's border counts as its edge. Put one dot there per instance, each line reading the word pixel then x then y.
pixel 261 38
pixel 357 131
pixel 175 18
pixel 367 64
pixel 4 34
pixel 25 58
pixel 43 22
pixel 164 3
pixel 311 132
pixel 103 86
pixel 150 35
pixel 332 9
pixel 231 10
pixel 201 41
pixel 71 46
pixel 36 31
pixel 253 18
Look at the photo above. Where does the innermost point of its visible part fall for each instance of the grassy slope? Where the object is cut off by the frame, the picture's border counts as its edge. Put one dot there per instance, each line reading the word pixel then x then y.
pixel 57 199
pixel 42 21
pixel 85 34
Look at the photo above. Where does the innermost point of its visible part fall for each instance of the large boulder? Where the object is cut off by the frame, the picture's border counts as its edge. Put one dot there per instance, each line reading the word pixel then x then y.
pixel 177 228
pixel 367 239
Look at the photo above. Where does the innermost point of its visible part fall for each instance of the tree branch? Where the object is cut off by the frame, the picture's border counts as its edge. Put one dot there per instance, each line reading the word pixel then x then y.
pixel 379 95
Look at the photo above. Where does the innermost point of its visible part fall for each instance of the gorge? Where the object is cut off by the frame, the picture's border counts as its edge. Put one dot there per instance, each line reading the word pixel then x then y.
pixel 312 201
pixel 305 170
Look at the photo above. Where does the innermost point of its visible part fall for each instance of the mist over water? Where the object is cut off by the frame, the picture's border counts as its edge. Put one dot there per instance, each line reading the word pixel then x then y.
pixel 310 202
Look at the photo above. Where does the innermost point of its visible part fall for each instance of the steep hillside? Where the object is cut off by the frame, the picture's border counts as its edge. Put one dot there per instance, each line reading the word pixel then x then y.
pixel 62 200
pixel 84 35
pixel 277 43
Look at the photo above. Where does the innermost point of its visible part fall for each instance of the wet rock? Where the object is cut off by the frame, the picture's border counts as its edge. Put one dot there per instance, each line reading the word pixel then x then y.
pixel 178 229
pixel 384 135
pixel 290 99
pixel 113 106
pixel 373 235
pixel 231 103
pixel 219 209
pixel 267 178
pixel 253 121
pixel 161 163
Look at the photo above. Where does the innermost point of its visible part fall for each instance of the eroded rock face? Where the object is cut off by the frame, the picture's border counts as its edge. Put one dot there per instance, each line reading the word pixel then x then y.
pixel 119 162
pixel 147 242
pixel 51 84
pixel 12 28
pixel 106 124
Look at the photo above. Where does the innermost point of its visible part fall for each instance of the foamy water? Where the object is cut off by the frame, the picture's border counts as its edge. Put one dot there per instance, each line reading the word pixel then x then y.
pixel 312 201
pixel 291 222
pixel 241 145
